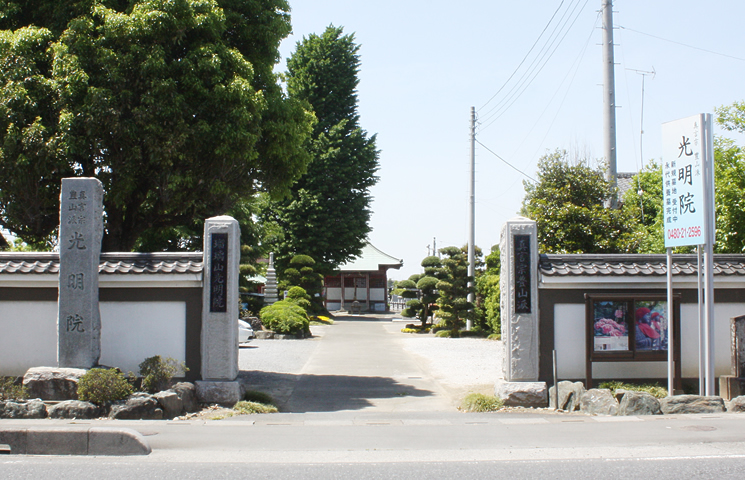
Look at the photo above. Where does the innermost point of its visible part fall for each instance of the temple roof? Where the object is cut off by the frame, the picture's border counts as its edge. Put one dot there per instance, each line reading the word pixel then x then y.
pixel 371 260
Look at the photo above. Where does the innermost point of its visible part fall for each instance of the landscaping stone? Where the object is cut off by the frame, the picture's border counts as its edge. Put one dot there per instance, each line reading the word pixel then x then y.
pixel 187 392
pixel 522 394
pixel 737 404
pixel 224 393
pixel 27 409
pixel 52 383
pixel 170 402
pixel 598 401
pixel 74 409
pixel 569 395
pixel 639 403
pixel 691 404
pixel 137 406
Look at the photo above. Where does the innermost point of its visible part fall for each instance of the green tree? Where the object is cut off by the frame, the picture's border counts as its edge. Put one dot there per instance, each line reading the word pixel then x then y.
pixel 421 289
pixel 301 273
pixel 172 105
pixel 488 314
pixel 567 203
pixel 327 216
pixel 454 307
pixel 643 203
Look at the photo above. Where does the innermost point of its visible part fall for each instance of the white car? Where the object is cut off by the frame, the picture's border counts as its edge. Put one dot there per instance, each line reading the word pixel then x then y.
pixel 245 332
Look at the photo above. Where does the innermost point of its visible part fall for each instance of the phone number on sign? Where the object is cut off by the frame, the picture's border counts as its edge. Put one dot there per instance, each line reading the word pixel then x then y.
pixel 686 232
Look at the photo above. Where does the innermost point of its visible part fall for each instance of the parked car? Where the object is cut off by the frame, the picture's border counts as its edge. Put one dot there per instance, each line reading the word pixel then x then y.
pixel 245 332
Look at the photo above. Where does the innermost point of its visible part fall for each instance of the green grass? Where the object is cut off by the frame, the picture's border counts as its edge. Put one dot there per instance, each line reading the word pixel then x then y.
pixel 478 402
pixel 656 390
pixel 248 408
pixel 257 397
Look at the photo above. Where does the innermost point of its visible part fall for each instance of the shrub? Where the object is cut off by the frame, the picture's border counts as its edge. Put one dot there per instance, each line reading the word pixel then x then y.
pixel 494 336
pixel 651 388
pixel 102 386
pixel 248 408
pixel 9 390
pixel 157 372
pixel 285 317
pixel 444 333
pixel 415 330
pixel 478 402
pixel 258 397
pixel 298 296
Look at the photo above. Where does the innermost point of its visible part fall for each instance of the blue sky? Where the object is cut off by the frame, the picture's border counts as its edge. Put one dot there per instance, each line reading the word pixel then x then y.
pixel 424 64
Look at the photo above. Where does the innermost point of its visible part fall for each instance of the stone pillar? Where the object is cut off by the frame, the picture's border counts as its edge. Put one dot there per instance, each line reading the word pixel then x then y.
pixel 270 290
pixel 731 386
pixel 220 312
pixel 80 235
pixel 519 299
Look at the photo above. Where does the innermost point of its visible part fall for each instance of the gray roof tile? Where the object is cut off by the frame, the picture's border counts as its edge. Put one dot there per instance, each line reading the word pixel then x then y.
pixel 111 263
pixel 627 265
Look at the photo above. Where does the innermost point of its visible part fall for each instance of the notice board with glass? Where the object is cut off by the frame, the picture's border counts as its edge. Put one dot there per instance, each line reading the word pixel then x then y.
pixel 630 328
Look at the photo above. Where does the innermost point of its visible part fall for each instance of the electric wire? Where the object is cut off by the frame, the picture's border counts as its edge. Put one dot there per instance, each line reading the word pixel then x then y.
pixel 524 58
pixel 508 163
pixel 683 44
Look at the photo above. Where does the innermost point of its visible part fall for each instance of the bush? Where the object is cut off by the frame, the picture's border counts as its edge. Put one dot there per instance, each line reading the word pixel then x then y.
pixel 258 397
pixel 157 373
pixel 415 330
pixel 9 390
pixel 494 336
pixel 285 317
pixel 478 402
pixel 248 408
pixel 298 296
pixel 651 388
pixel 102 386
pixel 444 333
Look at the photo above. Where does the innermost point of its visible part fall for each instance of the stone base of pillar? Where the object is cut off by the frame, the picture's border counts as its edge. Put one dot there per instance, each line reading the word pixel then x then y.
pixel 224 393
pixel 522 394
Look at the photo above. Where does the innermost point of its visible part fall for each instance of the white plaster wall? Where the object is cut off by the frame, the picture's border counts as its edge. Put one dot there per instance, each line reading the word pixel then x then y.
pixel 334 306
pixel 569 340
pixel 133 331
pixel 28 336
pixel 349 294
pixel 333 293
pixel 377 294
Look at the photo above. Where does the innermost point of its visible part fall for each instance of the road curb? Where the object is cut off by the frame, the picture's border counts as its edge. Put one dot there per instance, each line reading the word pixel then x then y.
pixel 74 441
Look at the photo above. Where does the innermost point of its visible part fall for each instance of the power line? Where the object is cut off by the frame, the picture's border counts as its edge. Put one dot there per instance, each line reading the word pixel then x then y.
pixel 683 44
pixel 525 57
pixel 508 163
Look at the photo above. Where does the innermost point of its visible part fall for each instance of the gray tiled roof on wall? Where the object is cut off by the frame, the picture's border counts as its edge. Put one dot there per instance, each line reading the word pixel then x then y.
pixel 629 264
pixel 111 263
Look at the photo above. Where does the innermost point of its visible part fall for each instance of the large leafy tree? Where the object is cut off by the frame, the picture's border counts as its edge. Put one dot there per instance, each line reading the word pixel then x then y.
pixel 488 313
pixel 172 105
pixel 327 216
pixel 567 203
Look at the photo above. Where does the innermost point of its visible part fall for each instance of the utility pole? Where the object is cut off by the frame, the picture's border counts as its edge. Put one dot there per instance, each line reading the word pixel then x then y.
pixel 472 215
pixel 434 246
pixel 609 101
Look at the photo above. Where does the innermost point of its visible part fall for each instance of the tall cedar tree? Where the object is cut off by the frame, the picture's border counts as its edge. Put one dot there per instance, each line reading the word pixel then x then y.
pixel 174 106
pixel 327 216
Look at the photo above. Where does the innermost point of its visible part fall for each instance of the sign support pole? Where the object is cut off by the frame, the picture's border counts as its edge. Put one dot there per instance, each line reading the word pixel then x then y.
pixel 708 153
pixel 670 324
pixel 701 324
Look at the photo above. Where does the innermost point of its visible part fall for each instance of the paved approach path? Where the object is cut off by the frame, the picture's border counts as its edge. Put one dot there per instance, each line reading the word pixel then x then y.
pixel 357 364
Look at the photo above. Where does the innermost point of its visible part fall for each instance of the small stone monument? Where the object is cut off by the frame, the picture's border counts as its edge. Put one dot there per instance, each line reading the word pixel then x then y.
pixel 220 312
pixel 731 386
pixel 271 294
pixel 80 234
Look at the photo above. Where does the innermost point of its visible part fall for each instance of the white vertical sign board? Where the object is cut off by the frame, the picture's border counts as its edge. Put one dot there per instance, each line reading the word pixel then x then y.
pixel 683 181
pixel 688 207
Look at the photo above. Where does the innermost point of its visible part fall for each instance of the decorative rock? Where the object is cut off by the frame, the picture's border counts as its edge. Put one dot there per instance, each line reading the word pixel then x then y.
pixel 23 409
pixel 639 403
pixel 691 404
pixel 74 409
pixel 187 392
pixel 137 406
pixel 598 401
pixel 52 383
pixel 170 402
pixel 737 404
pixel 522 394
pixel 224 393
pixel 569 395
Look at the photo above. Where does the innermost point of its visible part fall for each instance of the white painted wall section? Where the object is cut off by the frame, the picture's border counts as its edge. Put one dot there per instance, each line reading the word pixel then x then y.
pixel 28 336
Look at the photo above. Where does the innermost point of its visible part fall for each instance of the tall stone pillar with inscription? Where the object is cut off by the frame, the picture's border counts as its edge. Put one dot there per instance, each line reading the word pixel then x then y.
pixel 519 302
pixel 220 312
pixel 80 234
pixel 519 305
